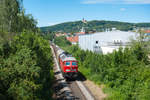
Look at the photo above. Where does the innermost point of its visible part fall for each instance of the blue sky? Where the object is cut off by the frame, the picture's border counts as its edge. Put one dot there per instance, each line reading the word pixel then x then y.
pixel 50 12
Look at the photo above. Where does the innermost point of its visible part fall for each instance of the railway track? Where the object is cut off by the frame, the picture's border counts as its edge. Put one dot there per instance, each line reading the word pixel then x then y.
pixel 69 89
pixel 77 93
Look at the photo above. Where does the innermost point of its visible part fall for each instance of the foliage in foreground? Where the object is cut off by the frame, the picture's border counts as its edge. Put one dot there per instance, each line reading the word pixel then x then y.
pixel 25 68
pixel 13 17
pixel 25 58
pixel 126 73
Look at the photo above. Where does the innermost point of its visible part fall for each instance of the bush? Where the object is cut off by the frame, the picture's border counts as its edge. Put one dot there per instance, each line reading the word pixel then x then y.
pixel 62 41
pixel 26 68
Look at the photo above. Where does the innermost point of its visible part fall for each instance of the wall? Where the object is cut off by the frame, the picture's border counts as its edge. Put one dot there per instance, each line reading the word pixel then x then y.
pixel 106 41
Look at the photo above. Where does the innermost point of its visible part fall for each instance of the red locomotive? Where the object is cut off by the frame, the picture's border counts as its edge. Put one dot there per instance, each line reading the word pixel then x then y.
pixel 67 62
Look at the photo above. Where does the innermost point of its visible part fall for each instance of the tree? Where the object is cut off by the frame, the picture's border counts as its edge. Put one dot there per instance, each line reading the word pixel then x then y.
pixel 10 10
pixel 13 17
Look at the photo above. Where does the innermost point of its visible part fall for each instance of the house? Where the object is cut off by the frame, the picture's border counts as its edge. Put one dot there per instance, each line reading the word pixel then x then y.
pixel 73 39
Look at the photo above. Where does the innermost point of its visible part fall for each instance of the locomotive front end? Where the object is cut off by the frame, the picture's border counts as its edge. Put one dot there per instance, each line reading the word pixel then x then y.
pixel 71 69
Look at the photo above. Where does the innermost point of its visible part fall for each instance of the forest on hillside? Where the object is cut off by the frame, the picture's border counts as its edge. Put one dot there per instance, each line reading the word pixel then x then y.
pixel 95 26
pixel 25 57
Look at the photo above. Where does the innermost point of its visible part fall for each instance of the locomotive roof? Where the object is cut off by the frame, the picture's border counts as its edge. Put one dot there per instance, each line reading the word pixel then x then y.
pixel 67 57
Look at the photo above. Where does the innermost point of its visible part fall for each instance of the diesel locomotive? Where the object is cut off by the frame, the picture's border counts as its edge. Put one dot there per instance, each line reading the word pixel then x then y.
pixel 68 63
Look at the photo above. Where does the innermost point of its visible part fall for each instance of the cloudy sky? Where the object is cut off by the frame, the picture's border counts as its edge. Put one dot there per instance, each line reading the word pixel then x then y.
pixel 51 12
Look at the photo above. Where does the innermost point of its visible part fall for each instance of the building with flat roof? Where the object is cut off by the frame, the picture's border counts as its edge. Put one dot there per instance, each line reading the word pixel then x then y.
pixel 105 42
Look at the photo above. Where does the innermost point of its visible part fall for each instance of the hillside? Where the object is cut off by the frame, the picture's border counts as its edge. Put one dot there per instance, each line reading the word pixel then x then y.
pixel 94 25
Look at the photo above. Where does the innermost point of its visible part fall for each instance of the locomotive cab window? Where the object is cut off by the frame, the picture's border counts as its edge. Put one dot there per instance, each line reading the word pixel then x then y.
pixel 74 63
pixel 67 63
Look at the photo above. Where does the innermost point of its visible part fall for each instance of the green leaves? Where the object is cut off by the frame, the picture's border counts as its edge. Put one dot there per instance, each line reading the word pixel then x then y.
pixel 62 41
pixel 13 17
pixel 25 58
pixel 26 68
pixel 23 90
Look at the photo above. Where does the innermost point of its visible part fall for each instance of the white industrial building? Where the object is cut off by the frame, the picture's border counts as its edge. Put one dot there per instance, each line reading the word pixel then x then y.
pixel 105 42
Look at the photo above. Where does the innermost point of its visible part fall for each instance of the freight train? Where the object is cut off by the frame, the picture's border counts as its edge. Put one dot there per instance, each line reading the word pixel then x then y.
pixel 68 64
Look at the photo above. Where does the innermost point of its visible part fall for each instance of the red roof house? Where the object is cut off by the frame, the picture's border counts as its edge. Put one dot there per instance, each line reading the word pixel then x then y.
pixel 73 39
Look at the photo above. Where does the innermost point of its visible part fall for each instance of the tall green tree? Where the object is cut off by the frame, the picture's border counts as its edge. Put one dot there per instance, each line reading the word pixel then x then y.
pixel 13 17
pixel 9 13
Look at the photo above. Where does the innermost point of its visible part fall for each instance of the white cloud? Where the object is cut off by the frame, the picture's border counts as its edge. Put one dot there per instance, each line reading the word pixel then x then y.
pixel 122 9
pixel 116 1
pixel 137 1
pixel 97 1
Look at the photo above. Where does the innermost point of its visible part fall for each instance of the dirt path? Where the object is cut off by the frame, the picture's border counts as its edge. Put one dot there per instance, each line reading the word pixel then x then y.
pixel 95 89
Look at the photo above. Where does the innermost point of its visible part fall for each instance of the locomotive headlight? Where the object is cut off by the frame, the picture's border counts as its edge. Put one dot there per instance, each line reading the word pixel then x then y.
pixel 67 70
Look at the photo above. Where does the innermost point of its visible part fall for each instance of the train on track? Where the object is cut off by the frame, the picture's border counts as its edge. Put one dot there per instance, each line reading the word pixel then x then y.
pixel 68 63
